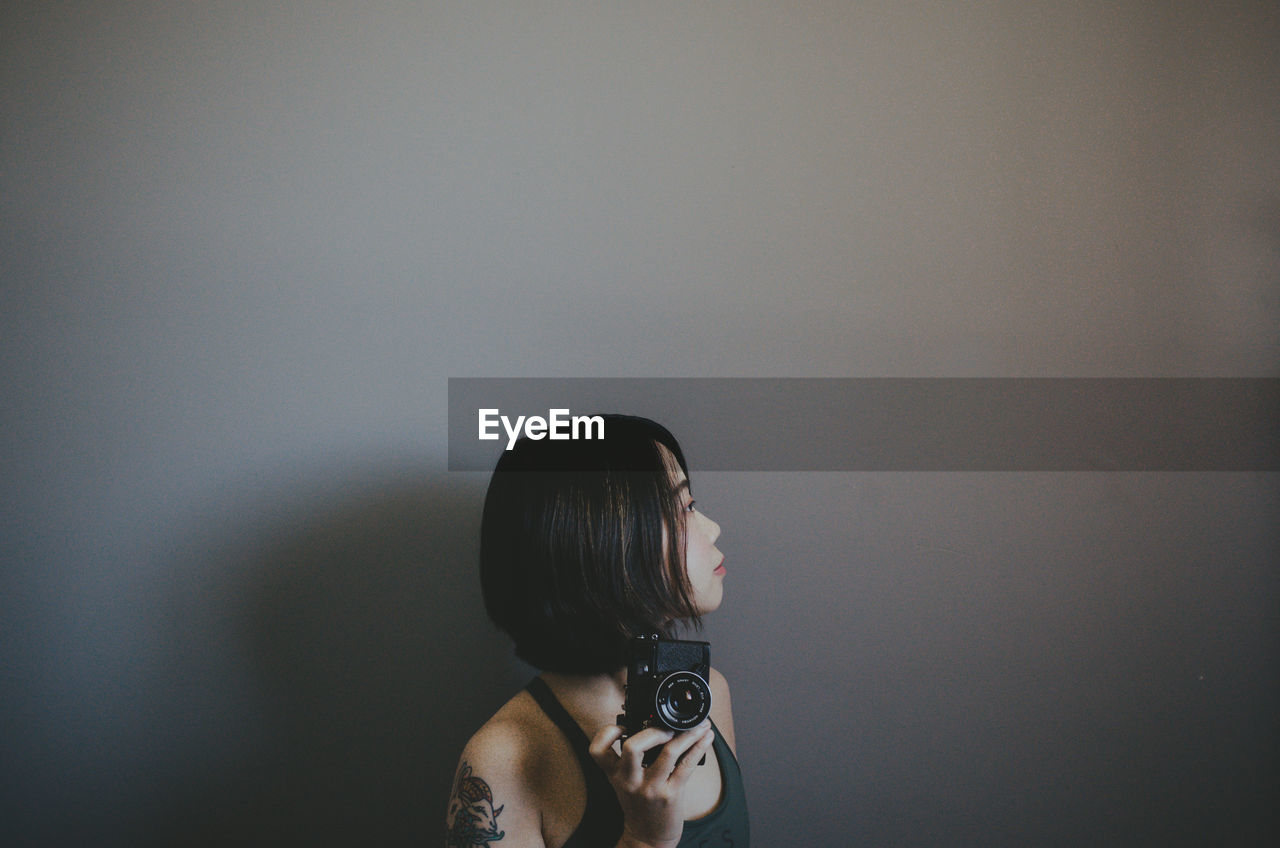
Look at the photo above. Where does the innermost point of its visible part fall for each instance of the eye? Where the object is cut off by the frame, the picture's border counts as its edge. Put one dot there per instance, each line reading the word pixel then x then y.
pixel 689 506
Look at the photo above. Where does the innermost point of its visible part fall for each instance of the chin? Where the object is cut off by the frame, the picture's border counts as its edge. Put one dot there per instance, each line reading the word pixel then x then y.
pixel 710 606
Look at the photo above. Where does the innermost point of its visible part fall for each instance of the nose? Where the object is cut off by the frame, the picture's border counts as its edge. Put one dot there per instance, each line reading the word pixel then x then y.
pixel 713 529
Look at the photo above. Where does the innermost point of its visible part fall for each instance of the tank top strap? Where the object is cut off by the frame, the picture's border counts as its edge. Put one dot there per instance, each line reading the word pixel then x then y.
pixel 602 819
pixel 728 824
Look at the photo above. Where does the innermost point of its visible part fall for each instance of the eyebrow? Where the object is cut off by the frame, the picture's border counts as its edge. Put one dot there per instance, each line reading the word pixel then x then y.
pixel 684 484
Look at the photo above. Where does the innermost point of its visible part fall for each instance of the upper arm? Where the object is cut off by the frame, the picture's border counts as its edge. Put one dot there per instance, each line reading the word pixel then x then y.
pixel 493 798
pixel 722 708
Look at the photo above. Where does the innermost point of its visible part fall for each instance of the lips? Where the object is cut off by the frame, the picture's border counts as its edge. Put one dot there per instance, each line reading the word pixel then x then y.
pixel 719 569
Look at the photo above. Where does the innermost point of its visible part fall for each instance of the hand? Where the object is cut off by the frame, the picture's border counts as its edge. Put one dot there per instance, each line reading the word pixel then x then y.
pixel 652 798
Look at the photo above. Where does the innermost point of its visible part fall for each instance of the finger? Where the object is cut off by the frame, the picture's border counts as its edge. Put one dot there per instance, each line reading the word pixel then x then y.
pixel 604 739
pixel 633 751
pixel 691 758
pixel 650 737
pixel 601 745
pixel 681 747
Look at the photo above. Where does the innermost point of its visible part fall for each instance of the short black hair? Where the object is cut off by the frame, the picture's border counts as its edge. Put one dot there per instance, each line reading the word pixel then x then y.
pixel 582 545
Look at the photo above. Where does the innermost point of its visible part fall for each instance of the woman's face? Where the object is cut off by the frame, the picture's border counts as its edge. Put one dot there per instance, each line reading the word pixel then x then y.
pixel 704 564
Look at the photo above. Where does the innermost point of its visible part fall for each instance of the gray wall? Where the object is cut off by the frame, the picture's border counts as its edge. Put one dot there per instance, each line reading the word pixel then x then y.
pixel 245 244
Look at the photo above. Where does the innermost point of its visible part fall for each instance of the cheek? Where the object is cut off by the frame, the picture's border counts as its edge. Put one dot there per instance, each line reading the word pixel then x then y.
pixel 700 550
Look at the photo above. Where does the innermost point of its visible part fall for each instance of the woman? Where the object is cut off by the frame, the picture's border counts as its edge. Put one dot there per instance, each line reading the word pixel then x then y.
pixel 584 545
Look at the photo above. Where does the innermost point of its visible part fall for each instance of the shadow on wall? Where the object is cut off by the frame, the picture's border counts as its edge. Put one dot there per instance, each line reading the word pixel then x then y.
pixel 369 663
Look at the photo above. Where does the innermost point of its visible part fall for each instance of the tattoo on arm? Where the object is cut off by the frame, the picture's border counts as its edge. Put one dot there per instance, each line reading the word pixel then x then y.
pixel 472 821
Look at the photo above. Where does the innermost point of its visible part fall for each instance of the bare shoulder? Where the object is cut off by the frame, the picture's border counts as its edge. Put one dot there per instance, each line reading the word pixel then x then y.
pixel 719 686
pixel 722 708
pixel 495 787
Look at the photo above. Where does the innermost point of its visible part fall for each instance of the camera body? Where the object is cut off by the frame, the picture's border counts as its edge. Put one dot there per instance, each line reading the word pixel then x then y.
pixel 667 686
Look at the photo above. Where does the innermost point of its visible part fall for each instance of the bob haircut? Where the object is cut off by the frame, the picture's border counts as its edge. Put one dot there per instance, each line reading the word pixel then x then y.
pixel 582 545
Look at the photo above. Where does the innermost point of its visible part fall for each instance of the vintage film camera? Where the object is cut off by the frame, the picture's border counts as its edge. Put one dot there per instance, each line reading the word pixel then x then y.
pixel 666 686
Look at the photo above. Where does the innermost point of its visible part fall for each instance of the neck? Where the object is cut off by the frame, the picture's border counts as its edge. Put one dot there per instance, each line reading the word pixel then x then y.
pixel 593 699
pixel 605 683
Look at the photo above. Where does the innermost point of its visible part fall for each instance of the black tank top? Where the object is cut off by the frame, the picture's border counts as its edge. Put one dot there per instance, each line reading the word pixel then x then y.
pixel 724 827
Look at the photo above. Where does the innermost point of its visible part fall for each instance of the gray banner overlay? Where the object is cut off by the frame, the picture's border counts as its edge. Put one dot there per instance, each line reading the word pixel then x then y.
pixel 902 424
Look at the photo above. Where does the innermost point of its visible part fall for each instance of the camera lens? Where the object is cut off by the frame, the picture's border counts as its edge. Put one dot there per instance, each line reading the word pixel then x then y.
pixel 682 700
